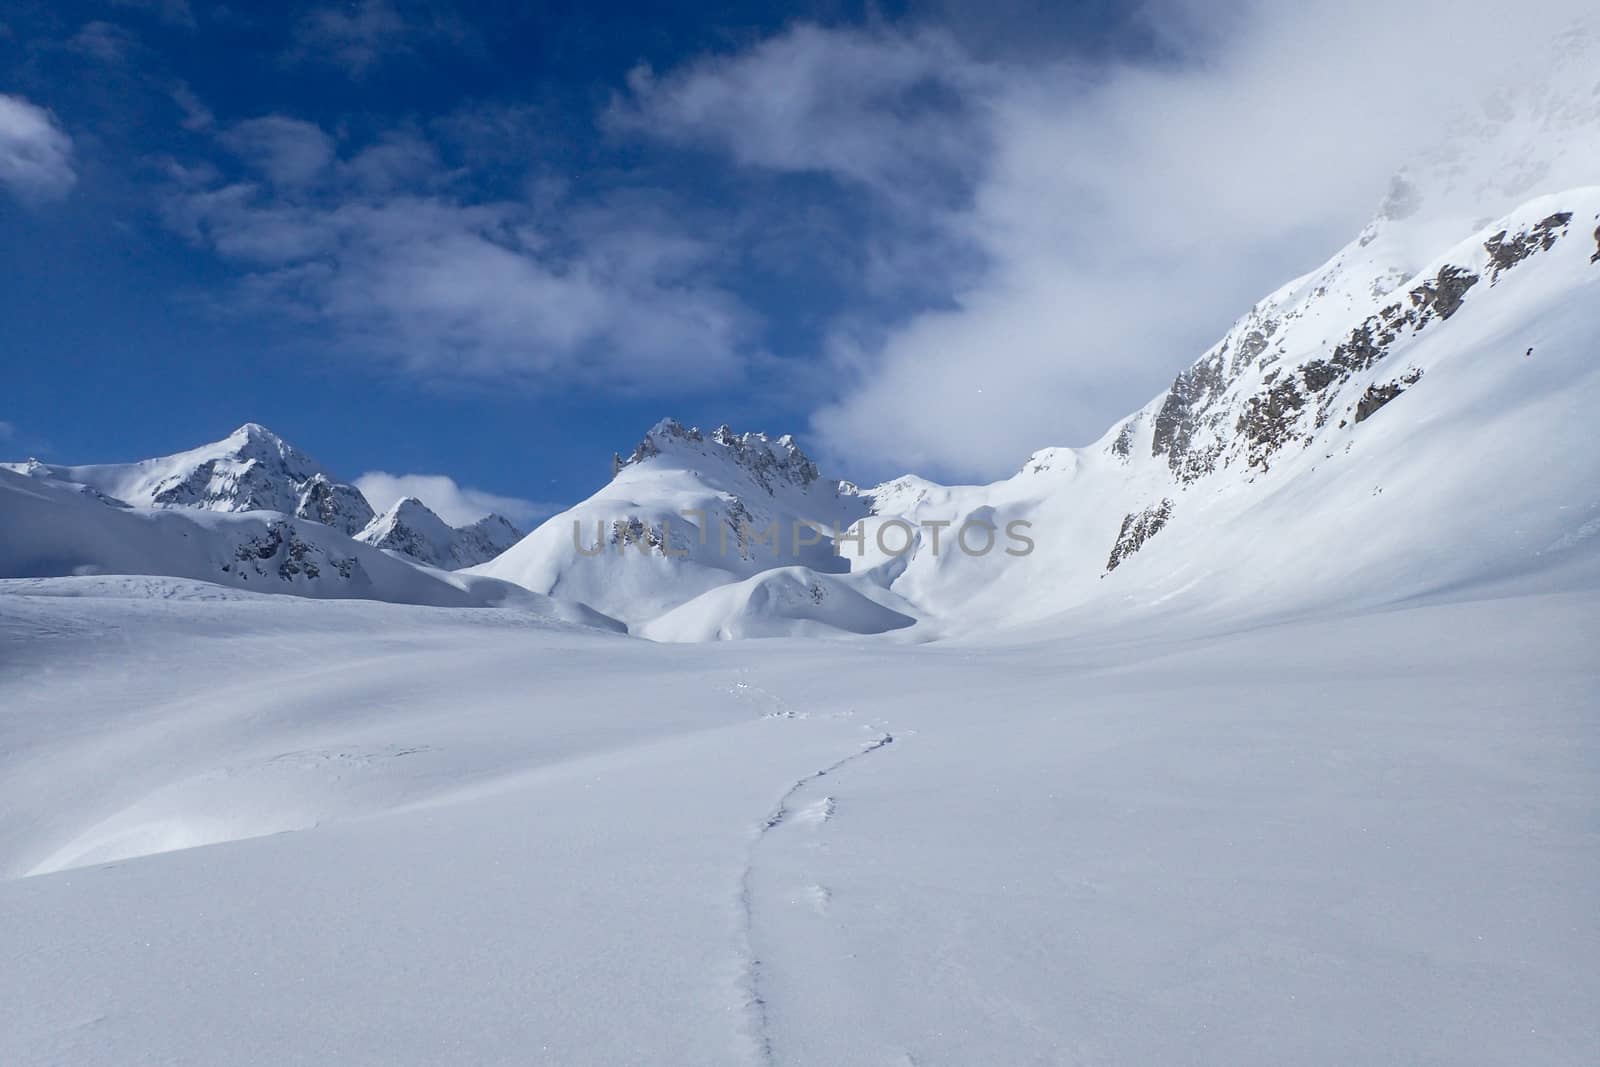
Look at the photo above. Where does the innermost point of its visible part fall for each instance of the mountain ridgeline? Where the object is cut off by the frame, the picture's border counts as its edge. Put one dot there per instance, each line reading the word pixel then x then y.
pixel 1412 417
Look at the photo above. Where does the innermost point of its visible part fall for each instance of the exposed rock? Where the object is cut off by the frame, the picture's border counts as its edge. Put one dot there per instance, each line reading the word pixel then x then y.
pixel 1506 252
pixel 769 461
pixel 1443 294
pixel 1123 445
pixel 1268 422
pixel 411 528
pixel 1178 418
pixel 1137 528
pixel 1377 396
pixel 1253 344
pixel 334 504
pixel 282 551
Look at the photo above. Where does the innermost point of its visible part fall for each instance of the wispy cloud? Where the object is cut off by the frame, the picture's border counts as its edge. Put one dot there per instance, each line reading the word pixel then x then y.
pixel 456 504
pixel 357 37
pixel 901 114
pixel 105 41
pixel 354 37
pixel 35 152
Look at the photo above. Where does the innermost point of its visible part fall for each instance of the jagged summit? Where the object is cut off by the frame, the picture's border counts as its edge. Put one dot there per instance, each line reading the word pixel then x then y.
pixel 770 461
pixel 412 528
pixel 333 504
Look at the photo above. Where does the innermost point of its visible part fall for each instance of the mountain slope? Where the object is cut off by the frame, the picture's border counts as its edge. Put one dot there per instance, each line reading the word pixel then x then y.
pixel 1321 453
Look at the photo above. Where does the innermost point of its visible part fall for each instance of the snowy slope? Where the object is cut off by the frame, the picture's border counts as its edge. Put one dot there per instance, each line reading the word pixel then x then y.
pixel 52 530
pixel 410 527
pixel 440 836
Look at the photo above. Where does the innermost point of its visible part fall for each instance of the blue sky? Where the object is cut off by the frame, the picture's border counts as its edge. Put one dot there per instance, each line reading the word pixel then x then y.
pixel 434 238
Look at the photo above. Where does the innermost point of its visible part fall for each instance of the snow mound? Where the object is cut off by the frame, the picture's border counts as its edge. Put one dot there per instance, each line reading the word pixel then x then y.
pixel 787 602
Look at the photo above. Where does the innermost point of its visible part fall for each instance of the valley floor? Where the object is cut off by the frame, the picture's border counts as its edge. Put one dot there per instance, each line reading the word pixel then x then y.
pixel 473 836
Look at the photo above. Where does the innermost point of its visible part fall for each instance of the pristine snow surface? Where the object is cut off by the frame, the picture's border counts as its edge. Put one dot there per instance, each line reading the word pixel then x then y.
pixel 477 836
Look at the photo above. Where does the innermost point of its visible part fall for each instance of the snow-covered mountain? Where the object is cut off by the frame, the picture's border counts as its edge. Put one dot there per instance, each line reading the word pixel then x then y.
pixel 1327 449
pixel 411 527
pixel 687 512
pixel 54 529
pixel 252 469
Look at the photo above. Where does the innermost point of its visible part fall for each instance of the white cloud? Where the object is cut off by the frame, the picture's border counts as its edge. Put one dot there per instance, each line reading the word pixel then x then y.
pixel 446 285
pixel 456 504
pixel 7 430
pixel 1125 213
pixel 287 151
pixel 35 152
pixel 892 112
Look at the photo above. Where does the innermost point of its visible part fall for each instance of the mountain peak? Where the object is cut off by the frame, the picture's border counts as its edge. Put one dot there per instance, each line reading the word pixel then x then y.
pixel 769 460
pixel 253 436
pixel 416 530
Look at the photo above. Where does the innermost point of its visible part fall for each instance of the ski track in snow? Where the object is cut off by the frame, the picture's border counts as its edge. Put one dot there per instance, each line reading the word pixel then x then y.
pixel 781 814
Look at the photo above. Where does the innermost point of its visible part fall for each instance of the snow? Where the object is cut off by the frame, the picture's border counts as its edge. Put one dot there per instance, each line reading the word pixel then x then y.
pixel 1279 746
pixel 468 835
pixel 787 602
